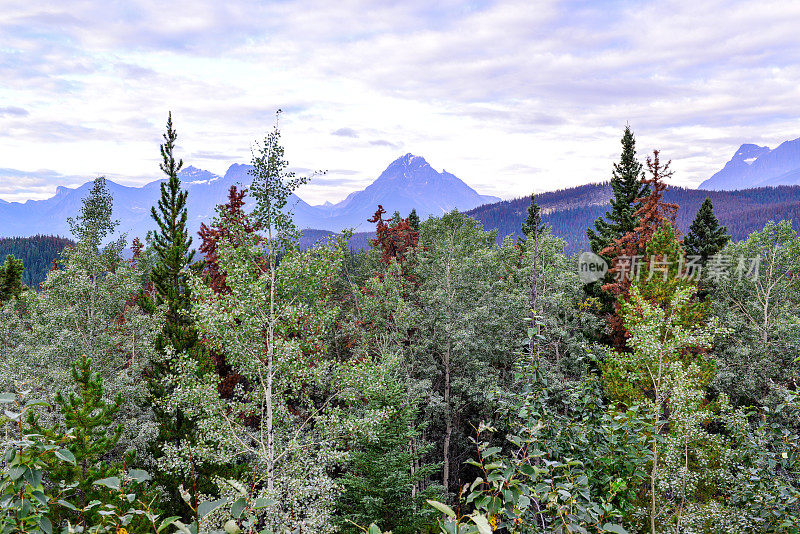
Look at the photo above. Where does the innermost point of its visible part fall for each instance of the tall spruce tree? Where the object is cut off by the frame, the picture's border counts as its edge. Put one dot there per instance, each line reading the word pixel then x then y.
pixel 172 243
pixel 627 185
pixel 706 237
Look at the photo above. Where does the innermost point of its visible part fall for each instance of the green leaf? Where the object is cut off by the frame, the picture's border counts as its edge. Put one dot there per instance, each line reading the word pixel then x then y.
pixel 67 504
pixel 139 475
pixel 491 451
pixel 167 522
pixel 482 523
pixel 231 527
pixel 238 507
pixel 206 507
pixel 65 455
pixel 39 496
pixel 616 529
pixel 46 525
pixel 109 482
pixel 442 508
pixel 373 529
pixel 261 502
pixel 5 398
pixel 16 471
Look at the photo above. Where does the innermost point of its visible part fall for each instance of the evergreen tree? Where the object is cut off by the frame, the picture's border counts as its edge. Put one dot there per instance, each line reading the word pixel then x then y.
pixel 10 278
pixel 413 220
pixel 90 435
pixel 380 483
pixel 627 184
pixel 172 246
pixel 532 226
pixel 706 237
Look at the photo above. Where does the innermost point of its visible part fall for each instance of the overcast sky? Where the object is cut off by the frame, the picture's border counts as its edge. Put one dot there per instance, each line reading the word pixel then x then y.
pixel 511 97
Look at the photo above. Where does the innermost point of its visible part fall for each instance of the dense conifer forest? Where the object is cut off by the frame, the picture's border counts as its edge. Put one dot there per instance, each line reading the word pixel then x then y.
pixel 445 379
pixel 37 254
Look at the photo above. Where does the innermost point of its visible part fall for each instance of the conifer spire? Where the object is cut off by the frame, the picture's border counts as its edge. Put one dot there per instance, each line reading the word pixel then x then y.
pixel 706 237
pixel 172 243
pixel 627 183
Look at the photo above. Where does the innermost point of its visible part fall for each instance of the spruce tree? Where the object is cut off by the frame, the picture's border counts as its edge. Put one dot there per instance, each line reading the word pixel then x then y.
pixel 413 220
pixel 627 185
pixel 381 479
pixel 90 435
pixel 10 278
pixel 706 237
pixel 172 243
pixel 532 226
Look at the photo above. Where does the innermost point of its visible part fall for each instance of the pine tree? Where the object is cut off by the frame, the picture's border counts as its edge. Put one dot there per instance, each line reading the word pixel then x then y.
pixel 628 186
pixel 380 482
pixel 396 218
pixel 90 435
pixel 706 237
pixel 413 220
pixel 532 226
pixel 172 246
pixel 10 278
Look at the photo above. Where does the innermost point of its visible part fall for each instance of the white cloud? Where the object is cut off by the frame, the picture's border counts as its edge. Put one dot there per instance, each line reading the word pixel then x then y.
pixel 509 96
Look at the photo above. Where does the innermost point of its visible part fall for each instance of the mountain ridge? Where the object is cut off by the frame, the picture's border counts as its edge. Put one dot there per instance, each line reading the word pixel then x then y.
pixel 756 166
pixel 409 182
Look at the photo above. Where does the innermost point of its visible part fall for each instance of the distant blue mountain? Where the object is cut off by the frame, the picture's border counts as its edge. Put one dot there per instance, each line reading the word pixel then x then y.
pixel 758 166
pixel 408 183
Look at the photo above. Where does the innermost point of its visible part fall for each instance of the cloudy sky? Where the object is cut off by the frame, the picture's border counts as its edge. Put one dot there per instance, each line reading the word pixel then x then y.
pixel 512 97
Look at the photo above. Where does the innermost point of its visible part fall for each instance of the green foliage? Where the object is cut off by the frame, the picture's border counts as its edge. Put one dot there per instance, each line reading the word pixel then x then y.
pixel 706 237
pixel 37 254
pixel 386 388
pixel 626 183
pixel 10 278
pixel 413 220
pixel 756 295
pixel 86 307
pixel 171 243
pixel 627 186
pixel 532 226
pixel 89 434
pixel 171 246
pixel 384 471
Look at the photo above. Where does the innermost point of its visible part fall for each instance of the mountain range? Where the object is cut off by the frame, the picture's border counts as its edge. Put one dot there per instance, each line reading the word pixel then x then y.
pixel 408 182
pixel 758 166
pixel 569 212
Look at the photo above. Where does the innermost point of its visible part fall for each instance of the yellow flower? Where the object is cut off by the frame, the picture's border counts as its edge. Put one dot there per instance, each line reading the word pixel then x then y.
pixel 493 522
pixel 122 531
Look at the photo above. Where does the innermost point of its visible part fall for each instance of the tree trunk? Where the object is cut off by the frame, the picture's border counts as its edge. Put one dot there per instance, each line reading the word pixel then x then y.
pixel 270 372
pixel 448 431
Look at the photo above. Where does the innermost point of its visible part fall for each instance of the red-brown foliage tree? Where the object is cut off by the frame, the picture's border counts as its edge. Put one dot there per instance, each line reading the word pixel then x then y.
pixel 396 241
pixel 652 214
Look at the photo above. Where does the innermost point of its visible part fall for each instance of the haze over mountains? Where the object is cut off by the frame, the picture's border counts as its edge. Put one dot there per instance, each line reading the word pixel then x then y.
pixel 758 166
pixel 739 191
pixel 408 182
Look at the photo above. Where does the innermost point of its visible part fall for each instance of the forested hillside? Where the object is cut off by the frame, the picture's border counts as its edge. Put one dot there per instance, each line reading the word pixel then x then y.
pixel 37 254
pixel 443 381
pixel 570 211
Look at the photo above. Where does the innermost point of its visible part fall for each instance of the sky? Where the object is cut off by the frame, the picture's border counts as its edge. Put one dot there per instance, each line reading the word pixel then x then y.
pixel 511 97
